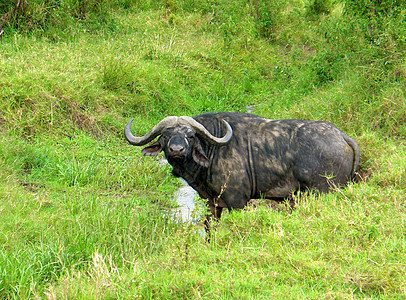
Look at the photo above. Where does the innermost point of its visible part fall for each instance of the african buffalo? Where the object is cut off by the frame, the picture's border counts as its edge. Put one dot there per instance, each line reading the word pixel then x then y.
pixel 230 158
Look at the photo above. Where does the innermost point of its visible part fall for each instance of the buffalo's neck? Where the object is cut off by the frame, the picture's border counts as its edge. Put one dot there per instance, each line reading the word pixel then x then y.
pixel 195 175
pixel 188 171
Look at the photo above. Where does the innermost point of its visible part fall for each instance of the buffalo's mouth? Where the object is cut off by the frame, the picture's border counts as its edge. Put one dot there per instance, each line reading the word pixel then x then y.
pixel 176 160
pixel 178 157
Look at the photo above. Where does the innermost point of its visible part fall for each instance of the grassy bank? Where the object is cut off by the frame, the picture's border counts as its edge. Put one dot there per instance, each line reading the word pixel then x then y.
pixel 85 216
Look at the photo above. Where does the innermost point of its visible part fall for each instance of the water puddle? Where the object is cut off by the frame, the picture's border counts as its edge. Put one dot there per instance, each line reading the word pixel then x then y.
pixel 250 108
pixel 184 198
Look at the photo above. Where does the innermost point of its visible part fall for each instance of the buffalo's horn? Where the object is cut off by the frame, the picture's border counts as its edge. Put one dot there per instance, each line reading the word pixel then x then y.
pixel 173 121
pixel 205 133
pixel 150 135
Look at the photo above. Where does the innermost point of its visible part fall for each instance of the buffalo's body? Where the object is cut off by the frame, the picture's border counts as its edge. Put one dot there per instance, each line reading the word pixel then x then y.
pixel 264 158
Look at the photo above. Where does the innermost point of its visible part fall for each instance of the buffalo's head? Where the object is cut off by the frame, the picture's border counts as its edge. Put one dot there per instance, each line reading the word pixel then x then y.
pixel 179 139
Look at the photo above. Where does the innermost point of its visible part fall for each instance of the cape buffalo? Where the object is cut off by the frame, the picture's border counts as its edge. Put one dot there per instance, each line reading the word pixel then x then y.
pixel 230 158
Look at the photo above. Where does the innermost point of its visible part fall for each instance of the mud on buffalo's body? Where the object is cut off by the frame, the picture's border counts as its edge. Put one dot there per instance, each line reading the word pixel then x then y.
pixel 230 158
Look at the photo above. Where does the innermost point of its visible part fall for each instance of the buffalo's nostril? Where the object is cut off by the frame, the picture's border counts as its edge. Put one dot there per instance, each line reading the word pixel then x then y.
pixel 176 148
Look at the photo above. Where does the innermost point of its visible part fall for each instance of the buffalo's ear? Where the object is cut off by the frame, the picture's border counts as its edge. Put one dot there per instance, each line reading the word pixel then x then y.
pixel 152 150
pixel 199 156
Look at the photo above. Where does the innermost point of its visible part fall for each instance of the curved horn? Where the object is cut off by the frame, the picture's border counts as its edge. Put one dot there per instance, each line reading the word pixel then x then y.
pixel 150 135
pixel 202 130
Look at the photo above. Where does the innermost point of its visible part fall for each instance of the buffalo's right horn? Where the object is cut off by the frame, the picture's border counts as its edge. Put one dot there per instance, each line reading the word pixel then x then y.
pixel 206 134
pixel 150 135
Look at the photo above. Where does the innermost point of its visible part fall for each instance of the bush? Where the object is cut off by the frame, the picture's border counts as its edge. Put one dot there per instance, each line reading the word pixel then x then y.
pixel 315 8
pixel 27 16
pixel 374 8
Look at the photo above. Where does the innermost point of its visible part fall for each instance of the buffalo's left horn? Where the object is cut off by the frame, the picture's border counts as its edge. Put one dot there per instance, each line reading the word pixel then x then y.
pixel 150 135
pixel 205 133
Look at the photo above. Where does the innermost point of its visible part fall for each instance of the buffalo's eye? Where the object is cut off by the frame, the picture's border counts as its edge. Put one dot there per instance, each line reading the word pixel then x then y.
pixel 165 137
pixel 190 135
pixel 166 134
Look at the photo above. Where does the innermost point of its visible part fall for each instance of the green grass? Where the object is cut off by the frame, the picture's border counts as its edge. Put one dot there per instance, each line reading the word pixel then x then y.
pixel 85 216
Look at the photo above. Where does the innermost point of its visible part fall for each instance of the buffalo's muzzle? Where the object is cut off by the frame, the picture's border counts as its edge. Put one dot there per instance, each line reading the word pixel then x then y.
pixel 176 150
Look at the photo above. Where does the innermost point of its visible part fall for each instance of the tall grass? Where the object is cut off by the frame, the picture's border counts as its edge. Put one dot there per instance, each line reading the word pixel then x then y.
pixel 47 231
pixel 84 215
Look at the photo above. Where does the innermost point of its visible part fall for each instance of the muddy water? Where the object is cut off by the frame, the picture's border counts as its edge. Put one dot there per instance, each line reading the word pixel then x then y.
pixel 184 197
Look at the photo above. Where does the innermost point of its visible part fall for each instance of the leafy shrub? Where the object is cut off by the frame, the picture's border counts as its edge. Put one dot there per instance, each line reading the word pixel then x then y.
pixel 43 15
pixel 374 8
pixel 25 15
pixel 380 21
pixel 267 15
pixel 315 8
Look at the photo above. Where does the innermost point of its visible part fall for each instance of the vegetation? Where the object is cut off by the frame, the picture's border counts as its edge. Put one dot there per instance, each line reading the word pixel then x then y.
pixel 85 216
